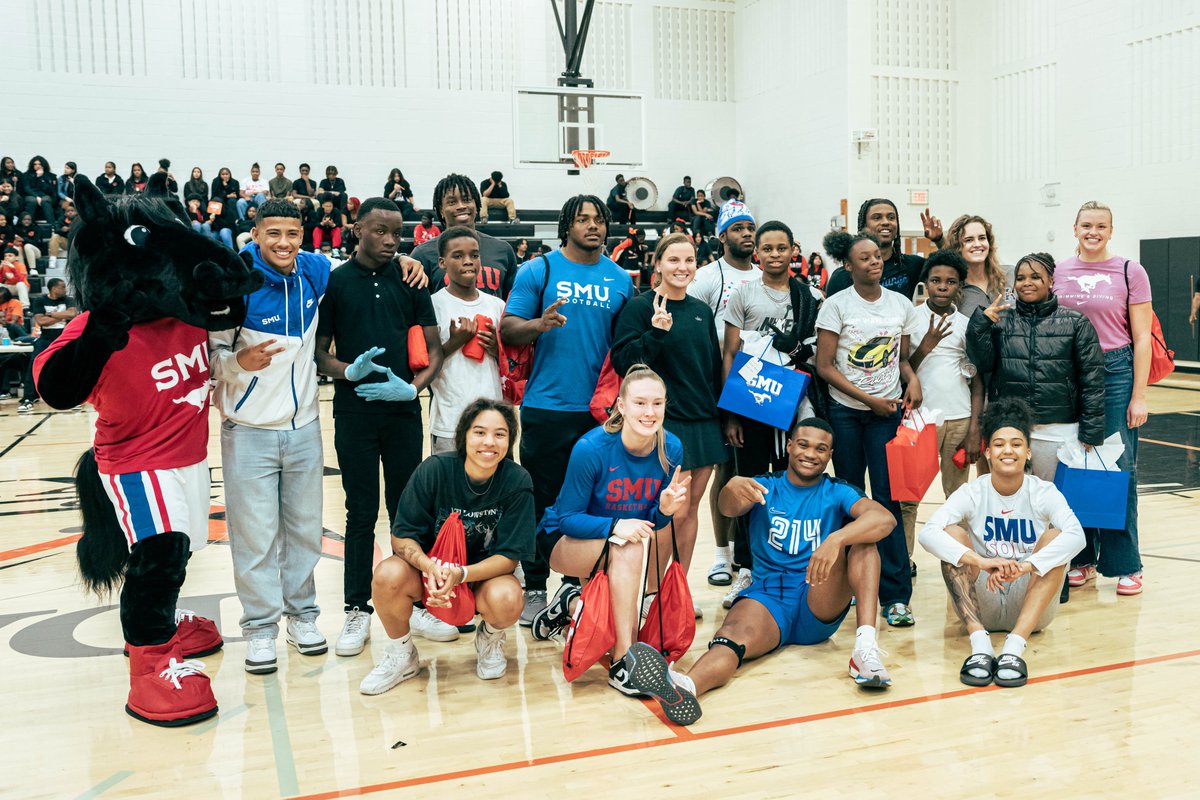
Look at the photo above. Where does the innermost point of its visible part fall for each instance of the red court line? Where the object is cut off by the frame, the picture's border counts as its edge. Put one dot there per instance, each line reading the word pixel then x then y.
pixel 30 549
pixel 510 766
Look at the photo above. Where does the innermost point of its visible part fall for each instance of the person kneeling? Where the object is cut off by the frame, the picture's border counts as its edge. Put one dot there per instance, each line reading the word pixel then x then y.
pixel 1005 540
pixel 493 496
pixel 808 565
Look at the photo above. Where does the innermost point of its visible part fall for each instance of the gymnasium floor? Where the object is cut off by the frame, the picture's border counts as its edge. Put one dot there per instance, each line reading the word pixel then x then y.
pixel 1112 707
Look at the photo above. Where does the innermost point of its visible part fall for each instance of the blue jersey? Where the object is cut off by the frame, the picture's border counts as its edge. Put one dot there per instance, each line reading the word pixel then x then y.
pixel 796 519
pixel 567 360
pixel 604 481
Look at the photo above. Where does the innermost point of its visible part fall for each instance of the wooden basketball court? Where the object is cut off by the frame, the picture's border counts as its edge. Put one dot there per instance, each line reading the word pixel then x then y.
pixel 1111 708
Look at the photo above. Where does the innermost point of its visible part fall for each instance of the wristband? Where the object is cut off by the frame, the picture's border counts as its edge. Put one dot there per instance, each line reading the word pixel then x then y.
pixel 463 567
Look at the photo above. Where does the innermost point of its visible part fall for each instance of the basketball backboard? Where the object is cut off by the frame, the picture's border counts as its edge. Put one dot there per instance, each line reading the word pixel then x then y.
pixel 552 122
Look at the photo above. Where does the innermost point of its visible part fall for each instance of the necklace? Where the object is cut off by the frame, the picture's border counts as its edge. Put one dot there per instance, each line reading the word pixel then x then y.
pixel 486 487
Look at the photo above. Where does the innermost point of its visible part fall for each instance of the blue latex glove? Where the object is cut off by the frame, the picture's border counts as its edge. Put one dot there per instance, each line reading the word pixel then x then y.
pixel 365 364
pixel 394 389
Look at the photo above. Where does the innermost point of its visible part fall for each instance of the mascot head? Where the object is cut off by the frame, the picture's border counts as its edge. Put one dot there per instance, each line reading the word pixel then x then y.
pixel 176 272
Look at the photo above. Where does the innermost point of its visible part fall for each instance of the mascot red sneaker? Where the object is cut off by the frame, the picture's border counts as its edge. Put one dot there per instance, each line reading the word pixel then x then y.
pixel 150 288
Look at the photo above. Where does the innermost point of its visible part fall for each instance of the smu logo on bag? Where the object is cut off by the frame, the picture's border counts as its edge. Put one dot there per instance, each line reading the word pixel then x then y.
pixel 171 371
pixel 771 389
pixel 584 293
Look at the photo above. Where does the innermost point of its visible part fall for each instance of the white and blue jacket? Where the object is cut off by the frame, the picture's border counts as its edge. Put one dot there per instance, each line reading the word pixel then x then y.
pixel 283 395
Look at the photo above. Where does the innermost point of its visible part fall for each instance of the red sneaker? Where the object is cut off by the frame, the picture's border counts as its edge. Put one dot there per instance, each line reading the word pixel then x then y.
pixel 198 636
pixel 1129 585
pixel 167 690
pixel 1080 575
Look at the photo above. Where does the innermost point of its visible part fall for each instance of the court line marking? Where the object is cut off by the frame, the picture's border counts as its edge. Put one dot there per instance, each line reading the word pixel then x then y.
pixel 281 742
pixel 1172 558
pixel 104 785
pixel 222 716
pixel 1168 444
pixel 23 436
pixel 510 766
pixel 30 549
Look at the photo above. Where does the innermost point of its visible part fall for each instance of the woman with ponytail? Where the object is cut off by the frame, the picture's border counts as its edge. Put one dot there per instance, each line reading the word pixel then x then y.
pixel 622 487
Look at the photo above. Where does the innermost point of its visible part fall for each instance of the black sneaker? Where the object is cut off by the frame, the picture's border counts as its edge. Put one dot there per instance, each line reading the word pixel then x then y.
pixel 556 615
pixel 643 671
pixel 25 406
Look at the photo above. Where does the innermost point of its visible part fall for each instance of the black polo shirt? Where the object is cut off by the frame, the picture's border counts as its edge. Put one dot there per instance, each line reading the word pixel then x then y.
pixel 364 309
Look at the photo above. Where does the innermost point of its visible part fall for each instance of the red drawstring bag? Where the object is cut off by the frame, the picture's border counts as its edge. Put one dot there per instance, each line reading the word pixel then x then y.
pixel 592 632
pixel 418 352
pixel 1162 358
pixel 451 548
pixel 474 348
pixel 608 386
pixel 670 624
pixel 912 461
pixel 516 361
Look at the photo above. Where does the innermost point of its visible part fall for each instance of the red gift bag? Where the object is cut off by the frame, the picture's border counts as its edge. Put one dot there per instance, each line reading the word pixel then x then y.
pixel 418 352
pixel 670 625
pixel 912 461
pixel 592 632
pixel 608 386
pixel 451 548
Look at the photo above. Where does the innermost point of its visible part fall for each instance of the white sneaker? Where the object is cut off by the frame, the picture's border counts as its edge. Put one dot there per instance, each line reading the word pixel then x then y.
pixel 260 655
pixel 696 608
pixel 399 663
pixel 356 632
pixel 519 574
pixel 304 636
pixel 682 681
pixel 426 625
pixel 489 648
pixel 867 669
pixel 740 583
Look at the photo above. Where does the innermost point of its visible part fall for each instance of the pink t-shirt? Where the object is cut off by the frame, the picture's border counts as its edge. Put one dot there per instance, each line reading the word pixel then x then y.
pixel 1097 290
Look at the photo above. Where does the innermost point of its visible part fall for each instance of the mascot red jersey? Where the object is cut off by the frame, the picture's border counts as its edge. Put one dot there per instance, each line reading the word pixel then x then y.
pixel 151 289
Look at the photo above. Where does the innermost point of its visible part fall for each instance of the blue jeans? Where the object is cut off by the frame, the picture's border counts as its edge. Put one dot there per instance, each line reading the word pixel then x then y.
pixel 1115 552
pixel 225 235
pixel 859 438
pixel 273 511
pixel 205 228
pixel 243 204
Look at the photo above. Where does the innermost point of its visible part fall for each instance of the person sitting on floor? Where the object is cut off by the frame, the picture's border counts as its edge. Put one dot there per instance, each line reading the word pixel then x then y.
pixel 813 539
pixel 1005 540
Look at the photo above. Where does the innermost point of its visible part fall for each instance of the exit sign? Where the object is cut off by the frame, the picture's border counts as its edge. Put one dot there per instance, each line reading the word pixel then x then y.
pixel 918 197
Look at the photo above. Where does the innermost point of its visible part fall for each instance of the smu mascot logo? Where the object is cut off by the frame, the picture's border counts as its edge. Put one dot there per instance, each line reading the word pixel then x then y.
pixel 1008 538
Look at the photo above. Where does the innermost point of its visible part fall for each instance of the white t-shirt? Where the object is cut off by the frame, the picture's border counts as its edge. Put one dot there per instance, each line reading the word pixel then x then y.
pixel 254 186
pixel 868 350
pixel 462 379
pixel 945 373
pixel 1006 527
pixel 714 284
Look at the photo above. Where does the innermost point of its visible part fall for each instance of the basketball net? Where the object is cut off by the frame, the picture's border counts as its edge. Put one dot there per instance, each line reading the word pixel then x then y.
pixel 597 181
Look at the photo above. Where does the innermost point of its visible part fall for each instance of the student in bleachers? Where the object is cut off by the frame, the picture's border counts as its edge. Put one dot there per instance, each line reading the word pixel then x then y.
pixel 456 201
pixel 619 207
pixel 226 188
pixel 199 219
pixel 28 242
pixel 494 192
pixel 14 276
pixel 333 186
pixel 863 347
pixel 196 188
pixel 1046 354
pixel 59 237
pixel 10 173
pixel 51 311
pixel 280 186
pixel 703 215
pixel 39 186
pixel 66 186
pixel 136 182
pixel 164 166
pixel 426 231
pixel 243 228
pixel 327 224
pixel 11 204
pixel 109 182
pixel 400 192
pixel 304 189
pixel 681 200
pixel 349 237
pixel 521 250
pixel 673 333
pixel 469 326
pixel 254 190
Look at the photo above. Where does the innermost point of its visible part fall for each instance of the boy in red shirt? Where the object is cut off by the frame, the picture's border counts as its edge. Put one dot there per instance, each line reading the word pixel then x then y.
pixel 14 276
pixel 426 230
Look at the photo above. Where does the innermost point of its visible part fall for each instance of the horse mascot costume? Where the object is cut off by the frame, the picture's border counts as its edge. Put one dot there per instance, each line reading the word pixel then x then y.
pixel 150 288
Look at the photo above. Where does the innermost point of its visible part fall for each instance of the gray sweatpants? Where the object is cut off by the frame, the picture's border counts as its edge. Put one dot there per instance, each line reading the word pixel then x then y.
pixel 998 611
pixel 273 512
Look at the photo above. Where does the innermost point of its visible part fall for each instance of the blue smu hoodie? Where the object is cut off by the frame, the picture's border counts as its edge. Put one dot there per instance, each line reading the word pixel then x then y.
pixel 283 395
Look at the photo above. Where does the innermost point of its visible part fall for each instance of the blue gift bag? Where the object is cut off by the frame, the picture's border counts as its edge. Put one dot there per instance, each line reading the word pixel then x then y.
pixel 762 391
pixel 1098 497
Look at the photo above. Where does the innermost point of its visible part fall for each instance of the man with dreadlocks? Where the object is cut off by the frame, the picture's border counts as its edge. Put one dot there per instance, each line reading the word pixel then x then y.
pixel 901 271
pixel 456 201
pixel 591 289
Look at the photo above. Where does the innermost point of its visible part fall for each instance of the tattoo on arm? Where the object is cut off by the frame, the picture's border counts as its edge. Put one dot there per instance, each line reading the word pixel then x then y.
pixel 409 550
pixel 961 583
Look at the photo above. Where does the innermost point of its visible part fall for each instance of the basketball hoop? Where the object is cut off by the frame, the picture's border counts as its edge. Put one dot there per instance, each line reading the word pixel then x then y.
pixel 584 158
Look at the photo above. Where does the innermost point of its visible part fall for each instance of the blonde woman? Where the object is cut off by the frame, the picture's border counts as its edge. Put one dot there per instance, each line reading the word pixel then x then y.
pixel 1113 292
pixel 622 486
pixel 674 334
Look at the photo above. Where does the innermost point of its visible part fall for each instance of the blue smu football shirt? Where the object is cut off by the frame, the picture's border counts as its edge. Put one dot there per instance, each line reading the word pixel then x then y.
pixel 796 519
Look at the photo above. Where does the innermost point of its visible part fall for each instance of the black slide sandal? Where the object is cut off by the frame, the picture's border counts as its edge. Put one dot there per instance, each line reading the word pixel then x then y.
pixel 978 661
pixel 1016 664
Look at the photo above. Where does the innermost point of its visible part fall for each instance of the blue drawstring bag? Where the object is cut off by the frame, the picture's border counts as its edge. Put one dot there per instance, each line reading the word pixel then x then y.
pixel 1099 497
